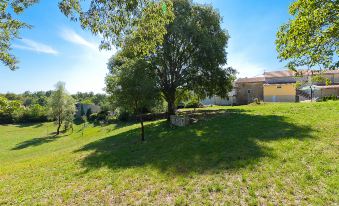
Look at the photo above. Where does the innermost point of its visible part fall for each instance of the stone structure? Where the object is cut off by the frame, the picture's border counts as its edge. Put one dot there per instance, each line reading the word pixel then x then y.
pixel 249 89
pixel 180 121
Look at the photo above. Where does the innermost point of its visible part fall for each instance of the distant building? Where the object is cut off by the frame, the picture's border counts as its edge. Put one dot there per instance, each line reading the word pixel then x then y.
pixel 280 86
pixel 248 89
pixel 215 100
pixel 94 108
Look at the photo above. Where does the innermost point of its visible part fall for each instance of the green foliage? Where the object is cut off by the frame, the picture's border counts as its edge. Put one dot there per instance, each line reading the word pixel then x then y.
pixel 193 54
pixel 331 97
pixel 61 106
pixel 93 117
pixel 328 82
pixel 87 101
pixel 131 84
pixel 194 103
pixel 103 116
pixel 30 98
pixel 101 100
pixel 12 111
pixel 82 111
pixel 311 38
pixel 10 27
pixel 34 113
pixel 88 113
pixel 145 20
pixel 115 20
pixel 124 116
pixel 318 79
pixel 9 110
pixel 298 84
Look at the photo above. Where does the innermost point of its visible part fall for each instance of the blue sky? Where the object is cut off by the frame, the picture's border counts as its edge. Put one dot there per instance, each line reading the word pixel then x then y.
pixel 56 49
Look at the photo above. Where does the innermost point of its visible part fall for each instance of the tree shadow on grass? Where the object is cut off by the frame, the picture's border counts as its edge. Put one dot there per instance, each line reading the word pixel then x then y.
pixel 33 124
pixel 223 143
pixel 37 141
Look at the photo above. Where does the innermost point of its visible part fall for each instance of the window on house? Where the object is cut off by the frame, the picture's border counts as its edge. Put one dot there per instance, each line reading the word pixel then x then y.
pixel 279 87
pixel 249 91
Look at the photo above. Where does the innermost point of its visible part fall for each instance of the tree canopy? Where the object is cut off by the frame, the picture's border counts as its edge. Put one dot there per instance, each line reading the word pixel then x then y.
pixel 193 55
pixel 311 38
pixel 132 85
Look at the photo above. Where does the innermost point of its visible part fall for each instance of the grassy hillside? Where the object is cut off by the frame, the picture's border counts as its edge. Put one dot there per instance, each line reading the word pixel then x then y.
pixel 269 154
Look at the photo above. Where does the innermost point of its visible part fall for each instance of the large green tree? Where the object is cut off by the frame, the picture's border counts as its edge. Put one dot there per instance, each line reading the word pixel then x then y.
pixel 61 106
pixel 193 55
pixel 311 38
pixel 132 85
pixel 112 20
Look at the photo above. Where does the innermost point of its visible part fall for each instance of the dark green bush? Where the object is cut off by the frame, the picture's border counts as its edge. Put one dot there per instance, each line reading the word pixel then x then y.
pixel 103 116
pixel 6 118
pixel 331 97
pixel 93 117
pixel 124 116
pixel 193 104
pixel 88 113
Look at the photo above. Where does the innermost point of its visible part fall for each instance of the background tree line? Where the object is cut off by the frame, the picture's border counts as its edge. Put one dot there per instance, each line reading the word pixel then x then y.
pixel 33 106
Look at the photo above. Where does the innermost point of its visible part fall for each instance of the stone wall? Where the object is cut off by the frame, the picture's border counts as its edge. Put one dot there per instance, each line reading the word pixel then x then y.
pixel 180 121
pixel 247 92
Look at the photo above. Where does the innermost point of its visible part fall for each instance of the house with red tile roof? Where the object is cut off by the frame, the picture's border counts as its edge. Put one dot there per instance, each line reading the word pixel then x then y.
pixel 280 86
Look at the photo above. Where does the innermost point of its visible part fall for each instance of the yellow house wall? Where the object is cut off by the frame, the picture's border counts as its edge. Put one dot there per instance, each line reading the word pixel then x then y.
pixel 285 90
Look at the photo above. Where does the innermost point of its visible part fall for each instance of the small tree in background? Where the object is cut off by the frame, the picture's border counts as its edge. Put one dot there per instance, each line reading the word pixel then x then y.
pixel 132 86
pixel 61 106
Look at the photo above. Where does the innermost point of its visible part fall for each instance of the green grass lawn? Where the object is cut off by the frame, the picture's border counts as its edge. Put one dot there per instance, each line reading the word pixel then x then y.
pixel 272 154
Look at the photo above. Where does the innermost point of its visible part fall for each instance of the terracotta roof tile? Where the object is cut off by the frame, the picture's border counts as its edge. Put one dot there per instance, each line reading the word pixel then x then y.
pixel 251 80
pixel 286 73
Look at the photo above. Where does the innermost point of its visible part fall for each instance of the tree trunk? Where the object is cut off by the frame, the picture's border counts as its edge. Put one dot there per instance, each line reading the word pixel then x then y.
pixel 59 125
pixel 170 104
pixel 170 110
pixel 142 129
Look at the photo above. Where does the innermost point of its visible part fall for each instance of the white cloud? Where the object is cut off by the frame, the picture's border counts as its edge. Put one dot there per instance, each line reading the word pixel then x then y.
pixel 244 65
pixel 88 69
pixel 73 37
pixel 28 44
